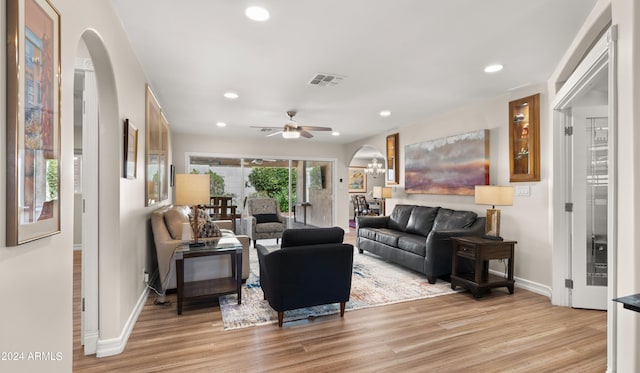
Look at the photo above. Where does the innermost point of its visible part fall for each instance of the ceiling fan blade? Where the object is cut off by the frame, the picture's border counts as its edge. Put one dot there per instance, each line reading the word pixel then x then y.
pixel 306 134
pixel 314 128
pixel 274 133
pixel 267 128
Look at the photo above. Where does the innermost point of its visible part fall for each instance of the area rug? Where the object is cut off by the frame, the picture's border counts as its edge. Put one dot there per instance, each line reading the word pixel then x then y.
pixel 375 282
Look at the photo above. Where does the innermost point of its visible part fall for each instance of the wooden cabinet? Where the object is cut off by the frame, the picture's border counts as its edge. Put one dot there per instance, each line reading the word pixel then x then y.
pixel 524 139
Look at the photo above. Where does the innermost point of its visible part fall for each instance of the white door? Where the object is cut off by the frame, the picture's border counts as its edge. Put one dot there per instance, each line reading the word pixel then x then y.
pixel 89 323
pixel 589 196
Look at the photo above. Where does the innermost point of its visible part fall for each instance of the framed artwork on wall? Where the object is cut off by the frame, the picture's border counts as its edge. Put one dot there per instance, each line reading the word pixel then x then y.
pixel 393 160
pixel 33 120
pixel 451 165
pixel 157 152
pixel 130 150
pixel 357 180
pixel 524 139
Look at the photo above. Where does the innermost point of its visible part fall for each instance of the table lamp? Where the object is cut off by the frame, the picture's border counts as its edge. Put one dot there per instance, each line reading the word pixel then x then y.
pixel 192 190
pixel 382 193
pixel 493 195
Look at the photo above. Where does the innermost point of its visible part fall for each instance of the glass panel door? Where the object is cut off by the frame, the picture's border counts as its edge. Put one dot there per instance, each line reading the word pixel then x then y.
pixel 303 188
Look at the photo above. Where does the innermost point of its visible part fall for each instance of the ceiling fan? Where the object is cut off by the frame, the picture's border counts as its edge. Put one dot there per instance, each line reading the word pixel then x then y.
pixel 291 129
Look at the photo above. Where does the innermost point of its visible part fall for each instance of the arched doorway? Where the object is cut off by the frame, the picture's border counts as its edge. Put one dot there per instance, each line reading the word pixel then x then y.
pixel 97 168
pixel 362 182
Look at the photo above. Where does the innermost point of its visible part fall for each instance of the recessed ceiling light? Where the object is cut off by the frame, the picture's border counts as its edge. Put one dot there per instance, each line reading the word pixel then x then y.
pixel 385 113
pixel 221 124
pixel 493 68
pixel 231 95
pixel 335 133
pixel 257 13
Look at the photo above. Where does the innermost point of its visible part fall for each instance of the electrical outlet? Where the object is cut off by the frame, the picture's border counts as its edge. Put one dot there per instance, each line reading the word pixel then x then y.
pixel 145 276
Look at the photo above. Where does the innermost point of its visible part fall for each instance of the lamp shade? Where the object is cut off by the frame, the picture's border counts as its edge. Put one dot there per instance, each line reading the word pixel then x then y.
pixel 386 192
pixel 377 192
pixel 494 195
pixel 192 189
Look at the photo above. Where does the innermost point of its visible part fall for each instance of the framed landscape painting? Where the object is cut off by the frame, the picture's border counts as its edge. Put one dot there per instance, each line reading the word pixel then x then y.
pixel 451 165
pixel 357 180
pixel 33 120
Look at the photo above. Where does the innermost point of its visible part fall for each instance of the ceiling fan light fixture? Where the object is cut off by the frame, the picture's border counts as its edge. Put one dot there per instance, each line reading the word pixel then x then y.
pixel 289 134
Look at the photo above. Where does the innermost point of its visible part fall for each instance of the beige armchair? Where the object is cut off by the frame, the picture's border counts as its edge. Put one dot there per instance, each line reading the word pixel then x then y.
pixel 264 220
pixel 166 225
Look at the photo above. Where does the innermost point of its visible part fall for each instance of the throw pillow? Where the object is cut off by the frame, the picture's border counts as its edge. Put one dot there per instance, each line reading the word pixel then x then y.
pixel 266 218
pixel 209 229
pixel 206 227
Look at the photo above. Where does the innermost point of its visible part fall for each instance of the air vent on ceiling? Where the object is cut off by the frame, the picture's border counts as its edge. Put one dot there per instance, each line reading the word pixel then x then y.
pixel 324 80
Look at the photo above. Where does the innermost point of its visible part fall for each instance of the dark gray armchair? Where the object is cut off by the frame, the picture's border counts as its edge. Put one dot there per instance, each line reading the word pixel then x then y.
pixel 313 267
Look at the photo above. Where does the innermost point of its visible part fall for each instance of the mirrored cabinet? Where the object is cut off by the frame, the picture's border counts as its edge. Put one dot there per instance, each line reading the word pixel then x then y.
pixel 524 139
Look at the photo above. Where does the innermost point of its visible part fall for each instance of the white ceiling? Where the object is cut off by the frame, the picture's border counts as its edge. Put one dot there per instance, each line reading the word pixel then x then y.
pixel 416 58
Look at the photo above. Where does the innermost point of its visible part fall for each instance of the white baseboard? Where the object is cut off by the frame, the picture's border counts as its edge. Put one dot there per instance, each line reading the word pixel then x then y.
pixel 114 346
pixel 77 247
pixel 527 285
pixel 91 342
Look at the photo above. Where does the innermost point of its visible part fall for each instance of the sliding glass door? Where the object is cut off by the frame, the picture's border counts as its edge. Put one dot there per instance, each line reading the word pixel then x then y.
pixel 303 188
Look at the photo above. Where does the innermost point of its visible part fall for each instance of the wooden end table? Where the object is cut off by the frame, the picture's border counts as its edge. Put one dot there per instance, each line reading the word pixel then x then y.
pixel 481 250
pixel 219 286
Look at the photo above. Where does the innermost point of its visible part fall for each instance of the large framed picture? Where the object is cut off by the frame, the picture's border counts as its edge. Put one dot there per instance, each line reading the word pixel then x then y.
pixel 33 120
pixel 157 151
pixel 450 165
pixel 357 180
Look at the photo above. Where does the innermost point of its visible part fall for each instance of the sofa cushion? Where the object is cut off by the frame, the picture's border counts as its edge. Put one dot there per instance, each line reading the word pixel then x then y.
pixel 266 218
pixel 413 243
pixel 400 217
pixel 369 233
pixel 421 220
pixel 452 219
pixel 388 236
pixel 174 218
pixel 269 227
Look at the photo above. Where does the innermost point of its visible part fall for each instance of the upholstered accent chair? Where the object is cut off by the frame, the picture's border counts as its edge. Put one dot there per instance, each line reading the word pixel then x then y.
pixel 312 267
pixel 264 219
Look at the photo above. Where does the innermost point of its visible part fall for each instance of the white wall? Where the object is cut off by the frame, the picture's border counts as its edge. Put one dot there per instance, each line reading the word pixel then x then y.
pixel 36 278
pixel 626 14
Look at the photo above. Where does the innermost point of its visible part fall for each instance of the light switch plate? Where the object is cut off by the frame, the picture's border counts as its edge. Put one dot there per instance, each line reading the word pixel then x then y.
pixel 523 190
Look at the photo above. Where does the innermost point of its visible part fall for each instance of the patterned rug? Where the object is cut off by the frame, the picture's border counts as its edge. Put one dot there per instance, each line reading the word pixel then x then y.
pixel 375 282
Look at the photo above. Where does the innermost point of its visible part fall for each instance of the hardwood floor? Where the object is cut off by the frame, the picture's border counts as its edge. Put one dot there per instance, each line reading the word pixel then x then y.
pixel 522 332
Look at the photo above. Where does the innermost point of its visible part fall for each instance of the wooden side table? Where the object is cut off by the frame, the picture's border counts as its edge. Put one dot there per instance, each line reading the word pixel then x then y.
pixel 481 250
pixel 220 286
